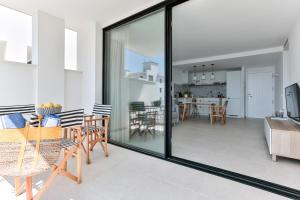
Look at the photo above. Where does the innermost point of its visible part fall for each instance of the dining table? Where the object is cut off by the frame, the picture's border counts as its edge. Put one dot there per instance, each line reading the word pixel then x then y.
pixel 185 108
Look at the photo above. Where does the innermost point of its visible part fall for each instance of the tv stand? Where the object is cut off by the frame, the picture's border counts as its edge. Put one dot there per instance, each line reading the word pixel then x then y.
pixel 283 138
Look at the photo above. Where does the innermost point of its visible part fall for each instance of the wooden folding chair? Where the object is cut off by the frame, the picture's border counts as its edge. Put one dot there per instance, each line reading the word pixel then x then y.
pixel 95 130
pixel 69 147
pixel 24 109
pixel 30 151
pixel 69 119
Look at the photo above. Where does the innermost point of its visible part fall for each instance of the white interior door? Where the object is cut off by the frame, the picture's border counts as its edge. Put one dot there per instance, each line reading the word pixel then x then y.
pixel 260 94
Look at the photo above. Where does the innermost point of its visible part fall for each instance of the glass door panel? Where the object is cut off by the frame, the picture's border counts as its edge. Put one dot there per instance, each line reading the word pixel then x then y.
pixel 135 82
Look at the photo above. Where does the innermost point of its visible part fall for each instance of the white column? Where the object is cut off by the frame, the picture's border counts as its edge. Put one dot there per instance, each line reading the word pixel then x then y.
pixel 48 54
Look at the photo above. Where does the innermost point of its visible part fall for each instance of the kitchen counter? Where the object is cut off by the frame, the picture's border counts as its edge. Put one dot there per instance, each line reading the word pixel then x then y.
pixel 202 99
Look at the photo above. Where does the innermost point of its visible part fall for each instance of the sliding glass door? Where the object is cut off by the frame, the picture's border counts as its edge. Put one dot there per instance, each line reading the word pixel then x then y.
pixel 191 110
pixel 134 75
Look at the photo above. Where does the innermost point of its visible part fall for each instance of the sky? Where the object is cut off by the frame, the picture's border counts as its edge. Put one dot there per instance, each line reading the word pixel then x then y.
pixel 134 61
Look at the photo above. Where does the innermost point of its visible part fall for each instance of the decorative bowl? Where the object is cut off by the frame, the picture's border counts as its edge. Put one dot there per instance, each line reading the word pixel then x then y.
pixel 48 111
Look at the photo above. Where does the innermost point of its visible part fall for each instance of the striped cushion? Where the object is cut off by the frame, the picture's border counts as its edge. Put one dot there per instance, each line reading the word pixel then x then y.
pixel 68 118
pixel 34 122
pixel 5 110
pixel 104 110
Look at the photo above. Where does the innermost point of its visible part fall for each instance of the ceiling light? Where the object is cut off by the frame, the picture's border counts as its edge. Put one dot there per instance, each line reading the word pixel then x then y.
pixel 195 75
pixel 203 77
pixel 212 76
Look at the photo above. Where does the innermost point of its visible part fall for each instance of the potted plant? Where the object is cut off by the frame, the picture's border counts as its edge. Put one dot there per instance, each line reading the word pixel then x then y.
pixel 187 94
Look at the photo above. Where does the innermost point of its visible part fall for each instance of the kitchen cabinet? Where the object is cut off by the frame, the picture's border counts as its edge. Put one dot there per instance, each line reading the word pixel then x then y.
pixel 234 107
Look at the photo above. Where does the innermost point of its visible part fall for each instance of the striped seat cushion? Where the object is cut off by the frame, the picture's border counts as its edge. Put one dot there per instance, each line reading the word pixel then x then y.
pixel 103 110
pixel 24 109
pixel 68 118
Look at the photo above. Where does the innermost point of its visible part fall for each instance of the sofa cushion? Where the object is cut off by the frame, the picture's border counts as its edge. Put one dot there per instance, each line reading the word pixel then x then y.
pixel 12 121
pixel 51 121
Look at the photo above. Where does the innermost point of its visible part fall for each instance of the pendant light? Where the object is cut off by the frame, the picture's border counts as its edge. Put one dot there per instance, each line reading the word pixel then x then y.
pixel 212 76
pixel 195 75
pixel 203 77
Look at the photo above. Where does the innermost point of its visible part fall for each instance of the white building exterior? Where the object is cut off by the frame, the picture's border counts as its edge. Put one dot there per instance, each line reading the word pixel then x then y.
pixel 147 86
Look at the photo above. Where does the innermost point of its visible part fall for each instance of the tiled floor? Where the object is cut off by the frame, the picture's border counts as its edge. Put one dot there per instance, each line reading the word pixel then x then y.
pixel 127 175
pixel 238 146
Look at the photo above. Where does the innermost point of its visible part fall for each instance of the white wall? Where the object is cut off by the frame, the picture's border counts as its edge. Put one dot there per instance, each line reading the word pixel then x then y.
pixel 49 48
pixel 47 80
pixel 294 54
pixel 278 78
pixel 73 89
pixel 87 63
pixel 143 91
pixel 2 50
pixel 17 83
pixel 180 76
pixel 86 38
pixel 285 76
pixel 243 92
pixel 98 70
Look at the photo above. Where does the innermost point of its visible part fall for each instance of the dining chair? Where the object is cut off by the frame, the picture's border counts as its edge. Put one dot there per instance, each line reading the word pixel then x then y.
pixel 142 119
pixel 218 112
pixel 175 113
pixel 183 110
pixel 137 111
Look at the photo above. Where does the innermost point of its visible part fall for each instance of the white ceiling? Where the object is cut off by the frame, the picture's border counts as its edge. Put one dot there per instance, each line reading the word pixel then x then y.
pixel 201 28
pixel 204 28
pixel 102 11
pixel 263 60
pixel 146 36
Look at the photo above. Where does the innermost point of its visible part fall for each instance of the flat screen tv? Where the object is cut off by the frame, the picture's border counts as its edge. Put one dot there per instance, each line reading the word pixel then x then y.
pixel 292 96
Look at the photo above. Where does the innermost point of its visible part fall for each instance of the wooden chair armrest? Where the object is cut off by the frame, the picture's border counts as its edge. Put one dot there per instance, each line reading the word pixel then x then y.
pixel 75 127
pixel 97 119
pixel 78 129
pixel 85 116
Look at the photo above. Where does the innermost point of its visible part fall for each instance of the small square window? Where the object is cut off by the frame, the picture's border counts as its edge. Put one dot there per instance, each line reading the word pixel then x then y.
pixel 70 49
pixel 150 78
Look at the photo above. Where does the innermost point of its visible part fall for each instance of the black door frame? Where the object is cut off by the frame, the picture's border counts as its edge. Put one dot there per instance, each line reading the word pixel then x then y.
pixel 248 180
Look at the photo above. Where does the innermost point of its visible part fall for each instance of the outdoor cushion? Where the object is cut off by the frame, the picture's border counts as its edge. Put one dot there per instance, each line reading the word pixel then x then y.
pixel 51 121
pixel 12 121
